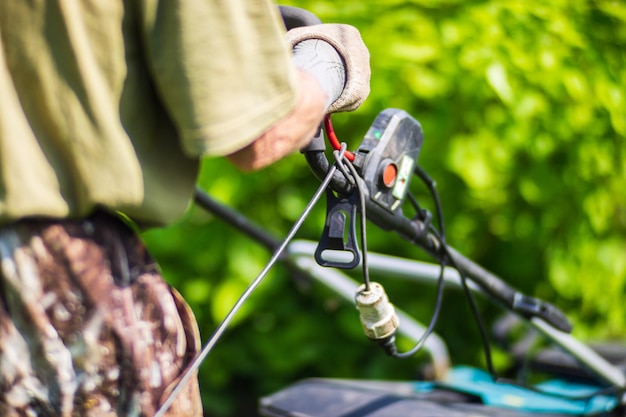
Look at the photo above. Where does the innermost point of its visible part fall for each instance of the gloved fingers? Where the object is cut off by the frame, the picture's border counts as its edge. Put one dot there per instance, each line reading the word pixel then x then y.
pixel 323 62
pixel 347 41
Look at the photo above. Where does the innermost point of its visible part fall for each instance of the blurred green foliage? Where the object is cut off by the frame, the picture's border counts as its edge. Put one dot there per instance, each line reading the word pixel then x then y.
pixel 523 106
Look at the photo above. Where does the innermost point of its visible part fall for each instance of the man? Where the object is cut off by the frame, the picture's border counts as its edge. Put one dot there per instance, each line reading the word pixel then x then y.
pixel 106 108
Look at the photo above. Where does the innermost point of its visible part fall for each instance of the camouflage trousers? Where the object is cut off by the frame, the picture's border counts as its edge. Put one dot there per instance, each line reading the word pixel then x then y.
pixel 88 327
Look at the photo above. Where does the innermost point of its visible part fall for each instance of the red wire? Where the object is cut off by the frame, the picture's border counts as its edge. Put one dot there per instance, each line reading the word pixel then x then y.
pixel 332 138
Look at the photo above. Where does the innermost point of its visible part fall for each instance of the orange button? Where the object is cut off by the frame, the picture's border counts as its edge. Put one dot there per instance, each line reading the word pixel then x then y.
pixel 390 174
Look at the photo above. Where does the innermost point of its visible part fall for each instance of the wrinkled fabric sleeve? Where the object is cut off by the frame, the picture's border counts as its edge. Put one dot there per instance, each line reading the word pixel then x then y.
pixel 222 69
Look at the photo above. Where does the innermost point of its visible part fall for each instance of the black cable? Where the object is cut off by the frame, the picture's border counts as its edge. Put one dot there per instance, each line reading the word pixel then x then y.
pixel 352 176
pixel 474 309
pixel 432 187
pixel 433 320
pixel 363 221
pixel 421 213
pixel 440 236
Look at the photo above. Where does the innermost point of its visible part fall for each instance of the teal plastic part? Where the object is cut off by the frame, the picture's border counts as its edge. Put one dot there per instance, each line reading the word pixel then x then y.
pixel 550 397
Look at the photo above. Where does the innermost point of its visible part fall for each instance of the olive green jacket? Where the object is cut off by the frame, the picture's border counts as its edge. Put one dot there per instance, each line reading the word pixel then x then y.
pixel 108 103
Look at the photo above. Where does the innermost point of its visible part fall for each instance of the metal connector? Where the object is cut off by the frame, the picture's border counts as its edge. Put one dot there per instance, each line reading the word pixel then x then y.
pixel 378 316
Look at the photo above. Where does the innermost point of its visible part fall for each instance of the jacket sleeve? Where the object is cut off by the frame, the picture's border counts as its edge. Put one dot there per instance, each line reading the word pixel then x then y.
pixel 222 69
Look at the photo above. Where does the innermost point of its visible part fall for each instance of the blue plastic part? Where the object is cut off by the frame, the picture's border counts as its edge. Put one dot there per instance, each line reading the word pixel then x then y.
pixel 552 399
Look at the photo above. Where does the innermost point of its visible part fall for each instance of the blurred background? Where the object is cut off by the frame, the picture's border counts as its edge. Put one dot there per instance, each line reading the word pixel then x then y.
pixel 523 107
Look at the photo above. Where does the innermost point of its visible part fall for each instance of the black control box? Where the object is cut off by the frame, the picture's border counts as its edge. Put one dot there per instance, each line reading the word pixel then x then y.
pixel 387 157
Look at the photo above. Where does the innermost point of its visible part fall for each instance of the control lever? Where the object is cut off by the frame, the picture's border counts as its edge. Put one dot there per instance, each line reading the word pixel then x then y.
pixel 338 245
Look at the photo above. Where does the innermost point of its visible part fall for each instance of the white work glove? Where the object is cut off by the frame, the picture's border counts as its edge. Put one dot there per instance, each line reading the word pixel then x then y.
pixel 343 70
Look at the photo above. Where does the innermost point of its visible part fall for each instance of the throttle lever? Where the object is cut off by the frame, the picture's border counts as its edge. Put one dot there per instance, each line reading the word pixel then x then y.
pixel 338 247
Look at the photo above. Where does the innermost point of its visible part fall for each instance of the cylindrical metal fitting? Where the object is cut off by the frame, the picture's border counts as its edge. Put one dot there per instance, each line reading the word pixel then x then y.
pixel 378 317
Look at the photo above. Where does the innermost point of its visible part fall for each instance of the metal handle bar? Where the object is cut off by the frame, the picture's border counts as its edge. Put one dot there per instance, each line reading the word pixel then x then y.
pixel 407 269
pixel 294 17
pixel 299 260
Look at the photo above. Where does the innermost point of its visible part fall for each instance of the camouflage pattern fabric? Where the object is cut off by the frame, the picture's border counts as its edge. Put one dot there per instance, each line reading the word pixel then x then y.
pixel 88 327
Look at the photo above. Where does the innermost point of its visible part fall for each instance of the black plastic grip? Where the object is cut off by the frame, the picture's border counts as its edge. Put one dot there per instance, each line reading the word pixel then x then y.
pixel 339 235
pixel 294 17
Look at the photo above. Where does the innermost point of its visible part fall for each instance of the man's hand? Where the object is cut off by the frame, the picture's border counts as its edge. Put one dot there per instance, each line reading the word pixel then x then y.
pixel 289 134
pixel 330 79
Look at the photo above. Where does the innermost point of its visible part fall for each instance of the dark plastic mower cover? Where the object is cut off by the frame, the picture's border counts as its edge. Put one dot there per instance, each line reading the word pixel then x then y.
pixel 471 395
